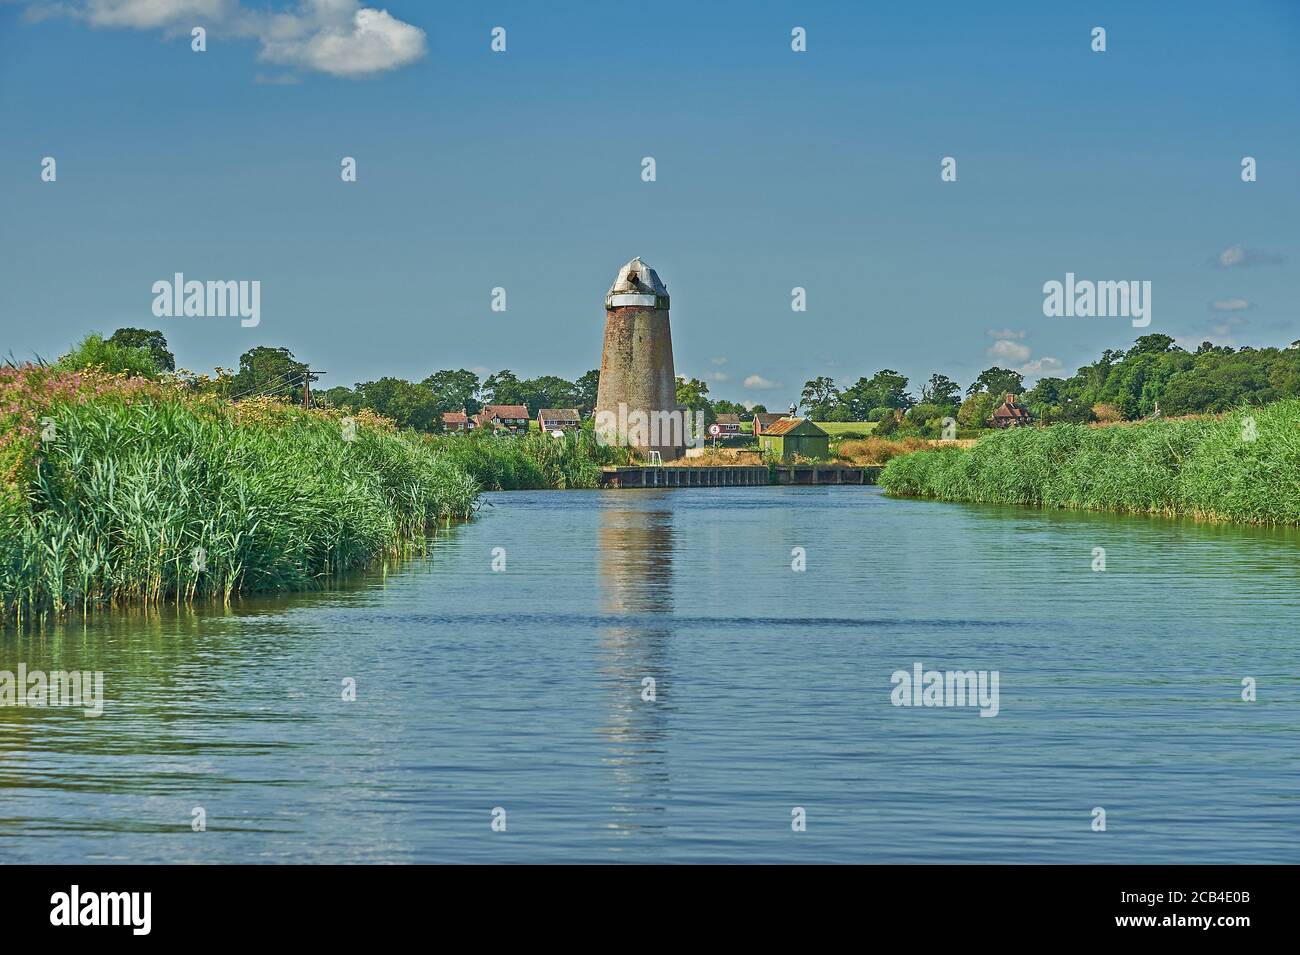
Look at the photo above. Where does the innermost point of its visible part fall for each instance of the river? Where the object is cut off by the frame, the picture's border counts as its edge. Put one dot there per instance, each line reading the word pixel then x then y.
pixel 522 689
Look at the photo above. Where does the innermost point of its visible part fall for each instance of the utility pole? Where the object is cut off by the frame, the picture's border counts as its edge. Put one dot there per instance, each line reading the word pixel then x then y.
pixel 308 377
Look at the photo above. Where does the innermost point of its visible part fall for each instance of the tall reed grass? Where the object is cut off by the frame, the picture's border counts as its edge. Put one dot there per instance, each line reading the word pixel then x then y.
pixel 1241 467
pixel 114 491
pixel 529 461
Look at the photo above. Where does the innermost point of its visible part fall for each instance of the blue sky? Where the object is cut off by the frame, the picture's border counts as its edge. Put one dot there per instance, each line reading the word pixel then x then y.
pixel 775 169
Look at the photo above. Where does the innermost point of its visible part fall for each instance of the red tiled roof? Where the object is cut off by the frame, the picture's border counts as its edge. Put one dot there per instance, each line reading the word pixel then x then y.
pixel 782 426
pixel 454 417
pixel 1007 410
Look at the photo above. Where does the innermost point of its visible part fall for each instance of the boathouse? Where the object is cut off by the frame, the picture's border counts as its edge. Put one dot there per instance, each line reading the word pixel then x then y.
pixel 791 437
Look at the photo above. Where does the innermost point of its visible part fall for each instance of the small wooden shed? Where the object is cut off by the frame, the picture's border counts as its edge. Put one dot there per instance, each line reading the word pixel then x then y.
pixel 795 436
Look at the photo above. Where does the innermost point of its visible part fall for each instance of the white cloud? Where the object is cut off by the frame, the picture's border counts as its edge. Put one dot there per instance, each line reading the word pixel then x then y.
pixel 719 376
pixel 1234 256
pixel 721 360
pixel 1008 351
pixel 759 383
pixel 1230 305
pixel 1231 256
pixel 338 37
pixel 157 14
pixel 1225 326
pixel 369 42
pixel 1040 366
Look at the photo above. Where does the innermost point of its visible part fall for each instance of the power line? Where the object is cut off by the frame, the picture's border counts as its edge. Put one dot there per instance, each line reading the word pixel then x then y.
pixel 273 383
pixel 293 383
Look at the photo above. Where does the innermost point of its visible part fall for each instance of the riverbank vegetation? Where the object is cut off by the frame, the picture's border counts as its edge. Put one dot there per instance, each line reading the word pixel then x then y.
pixel 529 461
pixel 1240 467
pixel 120 489
pixel 145 485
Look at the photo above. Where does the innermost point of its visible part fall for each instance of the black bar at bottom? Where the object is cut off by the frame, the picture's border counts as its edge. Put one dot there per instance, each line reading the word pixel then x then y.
pixel 297 904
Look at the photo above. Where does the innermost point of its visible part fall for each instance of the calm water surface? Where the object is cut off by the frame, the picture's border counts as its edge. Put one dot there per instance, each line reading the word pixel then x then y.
pixel 522 690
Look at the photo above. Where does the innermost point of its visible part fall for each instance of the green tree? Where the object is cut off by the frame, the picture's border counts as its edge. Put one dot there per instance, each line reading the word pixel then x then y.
pixel 941 390
pixel 997 381
pixel 1155 344
pixel 921 414
pixel 268 371
pixel 548 391
pixel 820 398
pixel 977 410
pixel 587 387
pixel 152 340
pixel 504 388
pixel 408 404
pixel 94 351
pixel 723 406
pixel 694 394
pixel 454 390
pixel 885 389
pixel 339 396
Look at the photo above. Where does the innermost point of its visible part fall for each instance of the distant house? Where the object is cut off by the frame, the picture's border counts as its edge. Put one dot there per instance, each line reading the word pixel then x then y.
pixel 558 419
pixel 511 418
pixel 728 423
pixel 795 436
pixel 1011 414
pixel 455 421
pixel 764 420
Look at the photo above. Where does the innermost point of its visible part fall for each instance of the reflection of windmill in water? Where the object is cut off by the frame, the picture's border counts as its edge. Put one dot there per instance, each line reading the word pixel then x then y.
pixel 635 556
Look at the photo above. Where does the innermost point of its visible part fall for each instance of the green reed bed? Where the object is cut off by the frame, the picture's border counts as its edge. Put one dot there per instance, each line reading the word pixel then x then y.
pixel 114 491
pixel 1242 467
pixel 529 461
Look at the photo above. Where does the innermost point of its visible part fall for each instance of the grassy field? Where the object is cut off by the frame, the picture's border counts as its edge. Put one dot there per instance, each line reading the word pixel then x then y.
pixel 1241 467
pixel 836 428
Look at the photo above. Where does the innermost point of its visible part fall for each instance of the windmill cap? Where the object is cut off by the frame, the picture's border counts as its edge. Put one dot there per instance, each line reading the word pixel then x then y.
pixel 637 284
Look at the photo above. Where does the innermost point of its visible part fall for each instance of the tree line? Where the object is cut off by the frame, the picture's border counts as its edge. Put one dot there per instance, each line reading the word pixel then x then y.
pixel 1154 376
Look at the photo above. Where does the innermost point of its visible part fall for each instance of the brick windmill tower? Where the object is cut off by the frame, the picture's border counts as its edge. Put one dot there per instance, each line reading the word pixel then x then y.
pixel 636 366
